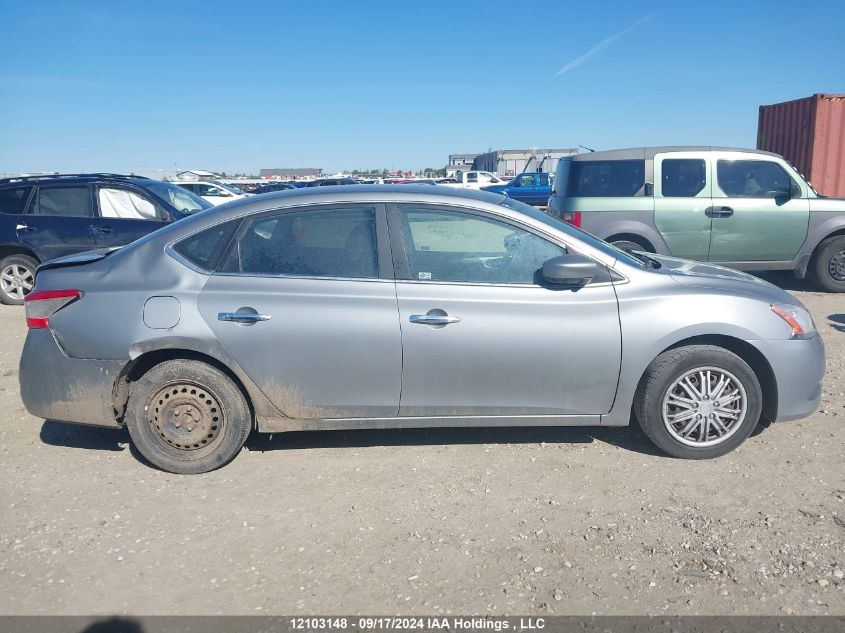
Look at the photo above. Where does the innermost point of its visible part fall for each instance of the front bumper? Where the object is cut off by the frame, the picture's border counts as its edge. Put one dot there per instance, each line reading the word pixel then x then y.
pixel 799 369
pixel 57 387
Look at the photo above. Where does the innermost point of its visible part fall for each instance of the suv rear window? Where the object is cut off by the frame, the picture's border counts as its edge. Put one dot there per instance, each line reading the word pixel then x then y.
pixel 605 178
pixel 13 200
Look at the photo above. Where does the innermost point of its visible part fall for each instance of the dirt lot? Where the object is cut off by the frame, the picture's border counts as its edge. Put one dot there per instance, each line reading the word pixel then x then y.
pixel 566 521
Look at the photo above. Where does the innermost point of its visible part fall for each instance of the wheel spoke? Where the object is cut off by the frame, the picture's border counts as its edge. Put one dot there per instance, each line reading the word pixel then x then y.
pixel 687 386
pixel 689 428
pixel 721 429
pixel 26 285
pixel 7 276
pixel 680 417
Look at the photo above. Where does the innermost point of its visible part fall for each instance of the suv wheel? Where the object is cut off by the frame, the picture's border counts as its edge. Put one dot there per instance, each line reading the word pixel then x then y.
pixel 698 402
pixel 628 246
pixel 187 417
pixel 17 277
pixel 828 265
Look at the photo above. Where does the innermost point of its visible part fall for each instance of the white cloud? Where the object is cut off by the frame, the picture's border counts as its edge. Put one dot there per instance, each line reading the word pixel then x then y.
pixel 598 48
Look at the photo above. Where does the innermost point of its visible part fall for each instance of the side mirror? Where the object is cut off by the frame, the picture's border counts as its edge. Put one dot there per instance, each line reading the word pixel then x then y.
pixel 571 269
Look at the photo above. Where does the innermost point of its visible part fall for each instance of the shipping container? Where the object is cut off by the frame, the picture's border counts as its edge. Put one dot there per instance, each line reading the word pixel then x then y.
pixel 810 134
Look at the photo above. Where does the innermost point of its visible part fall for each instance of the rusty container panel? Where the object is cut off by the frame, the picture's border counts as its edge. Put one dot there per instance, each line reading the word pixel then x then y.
pixel 809 133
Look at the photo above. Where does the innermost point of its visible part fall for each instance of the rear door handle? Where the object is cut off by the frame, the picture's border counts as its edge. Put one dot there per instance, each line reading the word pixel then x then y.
pixel 434 319
pixel 242 317
pixel 718 212
pixel 24 227
pixel 100 229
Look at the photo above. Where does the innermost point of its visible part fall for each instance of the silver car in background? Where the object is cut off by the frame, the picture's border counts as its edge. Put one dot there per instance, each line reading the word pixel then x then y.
pixel 406 306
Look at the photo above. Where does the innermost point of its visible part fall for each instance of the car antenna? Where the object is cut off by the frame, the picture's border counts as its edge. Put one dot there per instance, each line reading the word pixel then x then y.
pixel 589 149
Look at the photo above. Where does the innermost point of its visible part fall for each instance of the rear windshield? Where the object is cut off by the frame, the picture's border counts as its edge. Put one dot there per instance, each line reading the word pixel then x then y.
pixel 605 178
pixel 13 200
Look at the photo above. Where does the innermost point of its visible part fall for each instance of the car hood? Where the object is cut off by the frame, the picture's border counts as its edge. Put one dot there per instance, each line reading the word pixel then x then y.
pixel 712 276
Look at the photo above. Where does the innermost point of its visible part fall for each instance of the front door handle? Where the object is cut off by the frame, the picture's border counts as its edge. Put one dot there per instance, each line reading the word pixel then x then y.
pixel 434 319
pixel 100 229
pixel 242 317
pixel 718 212
pixel 24 227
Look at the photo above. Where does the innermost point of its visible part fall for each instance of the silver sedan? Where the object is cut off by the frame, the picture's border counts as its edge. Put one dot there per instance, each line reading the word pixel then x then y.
pixel 407 306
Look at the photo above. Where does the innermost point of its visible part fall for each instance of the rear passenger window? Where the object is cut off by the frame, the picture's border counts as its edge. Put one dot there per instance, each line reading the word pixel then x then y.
pixel 319 243
pixel 72 202
pixel 682 177
pixel 13 200
pixel 205 248
pixel 605 178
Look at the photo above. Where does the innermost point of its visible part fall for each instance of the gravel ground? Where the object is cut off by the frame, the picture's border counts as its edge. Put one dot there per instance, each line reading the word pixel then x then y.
pixel 529 521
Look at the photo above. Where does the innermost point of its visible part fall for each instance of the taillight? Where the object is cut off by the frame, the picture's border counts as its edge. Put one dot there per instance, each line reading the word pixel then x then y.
pixel 42 304
pixel 573 217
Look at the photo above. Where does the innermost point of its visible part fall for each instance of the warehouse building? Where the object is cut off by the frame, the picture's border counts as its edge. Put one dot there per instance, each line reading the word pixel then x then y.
pixel 510 162
pixel 459 162
pixel 287 173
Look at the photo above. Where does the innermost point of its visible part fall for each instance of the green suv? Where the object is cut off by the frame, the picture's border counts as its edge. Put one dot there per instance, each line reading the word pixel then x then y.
pixel 741 208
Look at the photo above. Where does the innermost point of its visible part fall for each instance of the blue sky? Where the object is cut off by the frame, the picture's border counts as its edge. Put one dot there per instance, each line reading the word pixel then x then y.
pixel 233 86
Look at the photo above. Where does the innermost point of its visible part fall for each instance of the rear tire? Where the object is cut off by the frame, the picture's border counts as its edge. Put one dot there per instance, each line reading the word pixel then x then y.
pixel 828 264
pixel 17 277
pixel 628 245
pixel 187 417
pixel 692 415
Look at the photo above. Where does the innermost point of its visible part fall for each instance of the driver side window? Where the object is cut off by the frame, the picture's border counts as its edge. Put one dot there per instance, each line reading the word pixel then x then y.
pixel 454 246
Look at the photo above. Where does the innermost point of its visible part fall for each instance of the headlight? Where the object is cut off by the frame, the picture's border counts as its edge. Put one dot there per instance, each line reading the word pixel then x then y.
pixel 797 318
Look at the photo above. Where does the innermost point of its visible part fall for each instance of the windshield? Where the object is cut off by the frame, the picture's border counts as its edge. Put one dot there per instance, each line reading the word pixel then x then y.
pixel 230 188
pixel 560 225
pixel 180 199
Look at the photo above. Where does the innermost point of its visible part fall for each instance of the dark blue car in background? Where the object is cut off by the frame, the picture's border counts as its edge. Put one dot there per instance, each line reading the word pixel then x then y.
pixel 532 188
pixel 44 217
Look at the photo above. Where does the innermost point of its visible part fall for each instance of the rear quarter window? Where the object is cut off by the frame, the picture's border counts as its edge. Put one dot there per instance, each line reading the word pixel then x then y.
pixel 13 200
pixel 605 178
pixel 204 249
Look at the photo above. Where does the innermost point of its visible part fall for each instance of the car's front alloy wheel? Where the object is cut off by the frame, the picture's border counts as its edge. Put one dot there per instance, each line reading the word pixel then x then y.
pixel 698 401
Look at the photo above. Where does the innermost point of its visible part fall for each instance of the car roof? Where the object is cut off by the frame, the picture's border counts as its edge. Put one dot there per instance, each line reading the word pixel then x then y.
pixel 648 153
pixel 431 194
pixel 70 179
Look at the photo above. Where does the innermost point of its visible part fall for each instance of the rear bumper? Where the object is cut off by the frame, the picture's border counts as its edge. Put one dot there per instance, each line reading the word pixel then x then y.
pixel 799 369
pixel 56 387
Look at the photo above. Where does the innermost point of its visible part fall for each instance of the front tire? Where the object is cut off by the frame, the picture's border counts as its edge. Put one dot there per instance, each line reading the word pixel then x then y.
pixel 828 264
pixel 17 277
pixel 187 417
pixel 698 402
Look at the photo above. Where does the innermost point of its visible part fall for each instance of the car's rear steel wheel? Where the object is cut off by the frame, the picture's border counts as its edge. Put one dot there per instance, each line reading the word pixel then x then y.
pixel 186 415
pixel 704 407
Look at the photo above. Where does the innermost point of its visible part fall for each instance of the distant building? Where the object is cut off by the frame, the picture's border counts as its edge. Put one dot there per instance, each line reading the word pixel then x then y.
pixel 510 162
pixel 284 173
pixel 459 162
pixel 195 175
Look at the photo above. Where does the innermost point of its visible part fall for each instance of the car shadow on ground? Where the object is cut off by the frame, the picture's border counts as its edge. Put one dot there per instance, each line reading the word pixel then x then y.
pixel 837 322
pixel 80 436
pixel 629 438
pixel 787 281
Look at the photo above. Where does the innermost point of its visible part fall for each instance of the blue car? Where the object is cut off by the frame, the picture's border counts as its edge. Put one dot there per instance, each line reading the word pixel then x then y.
pixel 532 188
pixel 45 217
